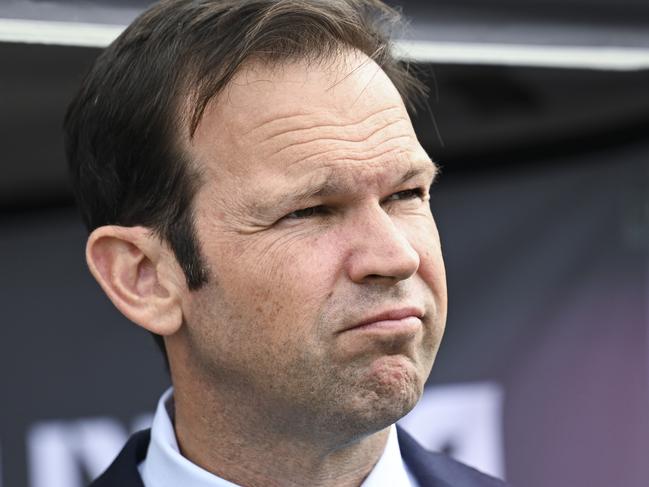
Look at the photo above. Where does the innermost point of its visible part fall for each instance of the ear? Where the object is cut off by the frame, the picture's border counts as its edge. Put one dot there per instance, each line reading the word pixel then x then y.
pixel 139 274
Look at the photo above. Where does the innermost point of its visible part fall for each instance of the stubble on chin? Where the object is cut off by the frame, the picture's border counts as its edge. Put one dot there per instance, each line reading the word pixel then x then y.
pixel 390 389
pixel 368 399
pixel 375 381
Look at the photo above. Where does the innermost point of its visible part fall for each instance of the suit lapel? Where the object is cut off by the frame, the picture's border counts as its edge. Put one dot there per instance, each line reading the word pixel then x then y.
pixel 420 461
pixel 123 471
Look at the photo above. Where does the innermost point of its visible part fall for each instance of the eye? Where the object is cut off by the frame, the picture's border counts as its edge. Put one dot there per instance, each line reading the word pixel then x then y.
pixel 407 194
pixel 304 213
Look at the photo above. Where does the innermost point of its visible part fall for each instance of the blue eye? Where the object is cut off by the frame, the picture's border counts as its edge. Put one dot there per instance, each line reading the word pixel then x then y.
pixel 307 212
pixel 407 194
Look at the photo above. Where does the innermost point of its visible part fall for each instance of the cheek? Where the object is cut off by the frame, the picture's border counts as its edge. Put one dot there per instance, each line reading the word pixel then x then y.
pixel 424 238
pixel 280 281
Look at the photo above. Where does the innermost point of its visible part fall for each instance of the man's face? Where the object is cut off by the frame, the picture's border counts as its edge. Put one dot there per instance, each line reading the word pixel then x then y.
pixel 314 220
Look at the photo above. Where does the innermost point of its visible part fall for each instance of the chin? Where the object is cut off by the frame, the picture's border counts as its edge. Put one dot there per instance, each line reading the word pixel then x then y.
pixel 388 392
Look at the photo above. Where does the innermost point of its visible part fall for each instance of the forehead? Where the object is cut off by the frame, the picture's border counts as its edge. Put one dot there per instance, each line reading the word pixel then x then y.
pixel 306 87
pixel 301 117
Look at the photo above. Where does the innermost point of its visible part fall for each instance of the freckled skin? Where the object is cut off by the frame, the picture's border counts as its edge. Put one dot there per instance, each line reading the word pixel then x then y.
pixel 262 357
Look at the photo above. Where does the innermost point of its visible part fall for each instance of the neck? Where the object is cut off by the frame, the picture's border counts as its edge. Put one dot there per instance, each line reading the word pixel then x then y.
pixel 248 448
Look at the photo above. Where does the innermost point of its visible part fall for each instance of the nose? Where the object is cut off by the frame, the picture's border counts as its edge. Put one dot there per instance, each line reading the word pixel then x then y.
pixel 380 250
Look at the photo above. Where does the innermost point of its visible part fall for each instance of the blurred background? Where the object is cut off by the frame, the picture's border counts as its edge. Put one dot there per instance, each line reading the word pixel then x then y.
pixel 539 117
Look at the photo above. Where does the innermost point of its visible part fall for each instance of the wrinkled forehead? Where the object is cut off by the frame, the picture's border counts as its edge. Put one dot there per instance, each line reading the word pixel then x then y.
pixel 263 99
pixel 303 130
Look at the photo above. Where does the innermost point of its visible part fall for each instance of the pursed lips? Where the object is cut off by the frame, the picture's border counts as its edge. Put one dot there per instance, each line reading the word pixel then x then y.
pixel 392 320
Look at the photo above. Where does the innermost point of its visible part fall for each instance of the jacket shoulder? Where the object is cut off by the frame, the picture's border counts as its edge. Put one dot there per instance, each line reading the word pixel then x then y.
pixel 437 470
pixel 123 472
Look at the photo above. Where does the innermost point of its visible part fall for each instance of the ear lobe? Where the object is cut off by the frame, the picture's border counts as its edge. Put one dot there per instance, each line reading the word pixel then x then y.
pixel 131 266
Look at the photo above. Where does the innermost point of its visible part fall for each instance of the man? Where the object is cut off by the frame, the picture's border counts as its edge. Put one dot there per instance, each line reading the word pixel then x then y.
pixel 257 197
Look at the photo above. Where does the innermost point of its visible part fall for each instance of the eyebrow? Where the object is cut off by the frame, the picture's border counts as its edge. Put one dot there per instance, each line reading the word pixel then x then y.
pixel 331 186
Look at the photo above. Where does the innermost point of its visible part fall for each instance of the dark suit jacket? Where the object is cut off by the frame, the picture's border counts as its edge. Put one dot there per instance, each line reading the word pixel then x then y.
pixel 430 469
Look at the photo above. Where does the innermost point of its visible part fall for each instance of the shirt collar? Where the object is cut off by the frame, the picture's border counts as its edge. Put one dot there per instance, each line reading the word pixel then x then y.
pixel 164 466
pixel 390 470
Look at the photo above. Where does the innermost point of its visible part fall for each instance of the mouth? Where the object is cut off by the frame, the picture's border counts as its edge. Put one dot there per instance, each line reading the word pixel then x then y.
pixel 392 321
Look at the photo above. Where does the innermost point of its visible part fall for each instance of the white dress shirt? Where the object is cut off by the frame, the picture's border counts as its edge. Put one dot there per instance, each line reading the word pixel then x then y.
pixel 164 466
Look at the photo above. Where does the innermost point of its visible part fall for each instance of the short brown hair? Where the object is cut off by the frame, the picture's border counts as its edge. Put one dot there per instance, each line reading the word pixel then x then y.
pixel 152 84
